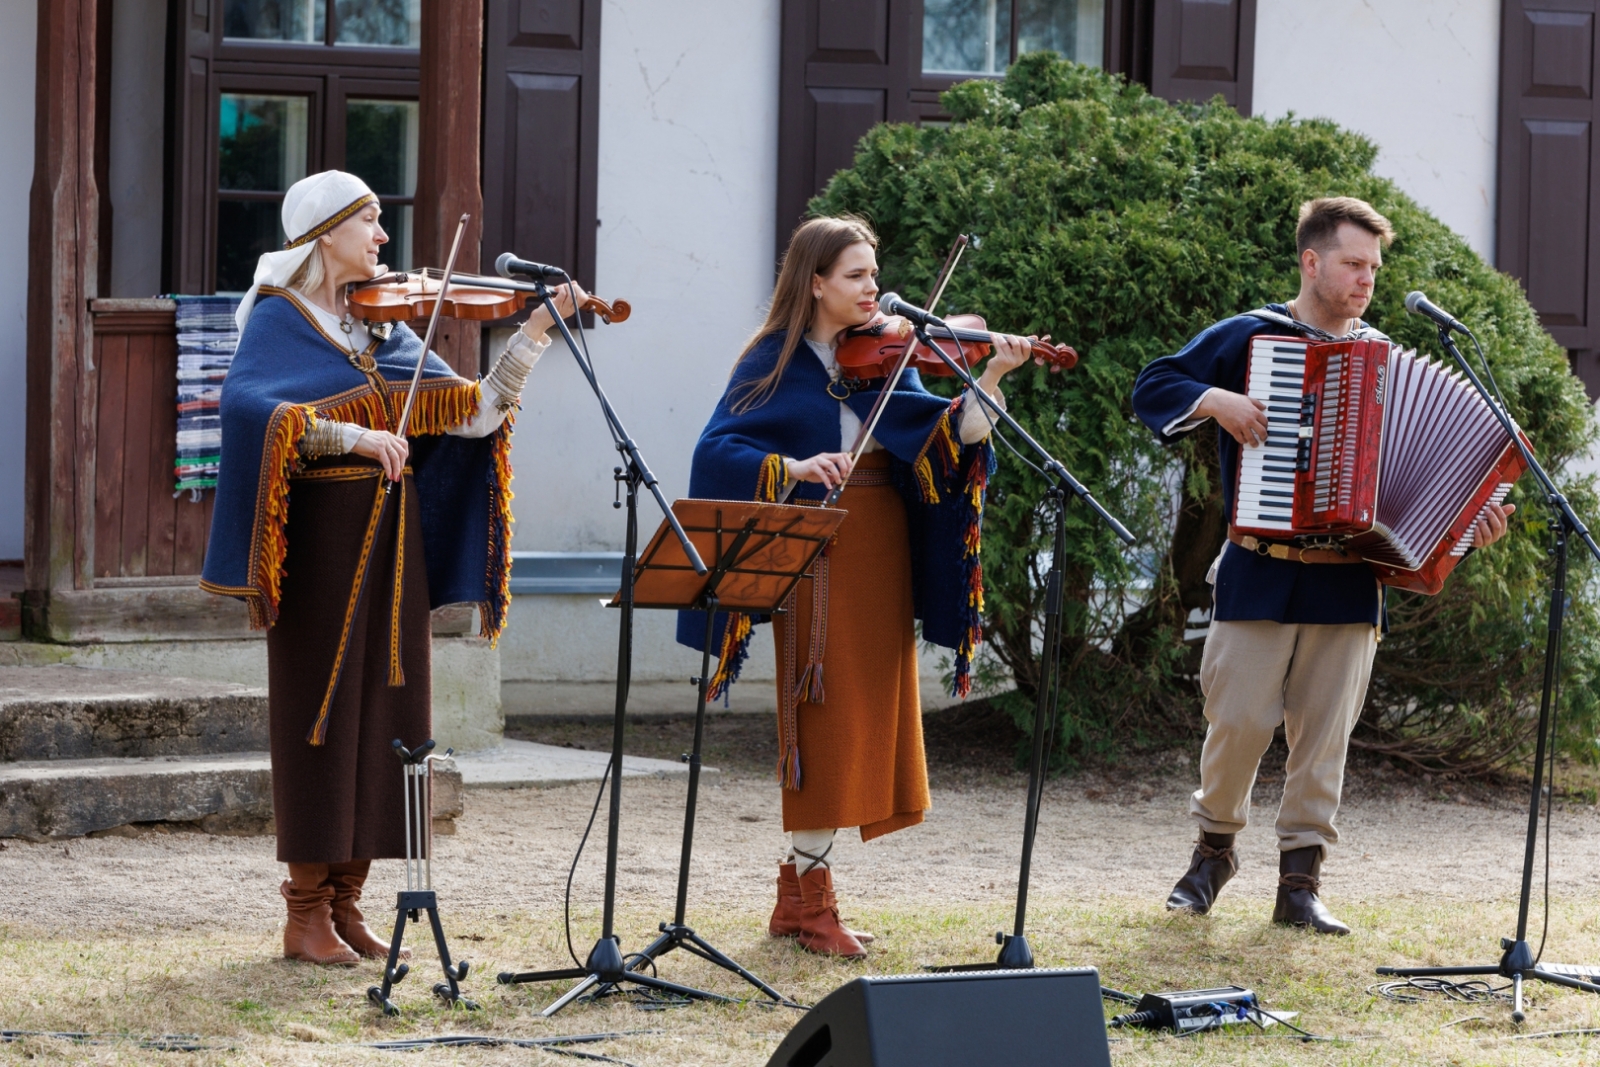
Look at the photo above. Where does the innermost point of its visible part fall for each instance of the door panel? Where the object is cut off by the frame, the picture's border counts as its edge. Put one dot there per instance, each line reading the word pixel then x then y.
pixel 1548 164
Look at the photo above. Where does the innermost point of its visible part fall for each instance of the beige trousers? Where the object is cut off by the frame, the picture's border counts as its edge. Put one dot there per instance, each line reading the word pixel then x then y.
pixel 1310 678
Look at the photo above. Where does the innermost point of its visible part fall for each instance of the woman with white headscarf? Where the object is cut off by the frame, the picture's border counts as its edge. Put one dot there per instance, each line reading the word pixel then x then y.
pixel 316 490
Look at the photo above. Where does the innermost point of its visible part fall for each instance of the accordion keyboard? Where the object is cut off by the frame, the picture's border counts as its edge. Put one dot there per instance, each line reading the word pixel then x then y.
pixel 1265 497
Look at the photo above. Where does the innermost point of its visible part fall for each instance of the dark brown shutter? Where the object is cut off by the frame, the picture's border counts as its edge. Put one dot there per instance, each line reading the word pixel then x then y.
pixel 191 129
pixel 1199 48
pixel 1547 163
pixel 540 132
pixel 845 67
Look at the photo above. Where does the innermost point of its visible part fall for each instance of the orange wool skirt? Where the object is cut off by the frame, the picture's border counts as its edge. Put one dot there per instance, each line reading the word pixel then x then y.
pixel 860 748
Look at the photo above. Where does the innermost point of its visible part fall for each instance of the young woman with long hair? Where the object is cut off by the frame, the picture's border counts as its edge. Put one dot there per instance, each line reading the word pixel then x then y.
pixel 850 752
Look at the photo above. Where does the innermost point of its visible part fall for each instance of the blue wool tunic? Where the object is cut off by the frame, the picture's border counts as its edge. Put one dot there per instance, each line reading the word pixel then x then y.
pixel 1249 586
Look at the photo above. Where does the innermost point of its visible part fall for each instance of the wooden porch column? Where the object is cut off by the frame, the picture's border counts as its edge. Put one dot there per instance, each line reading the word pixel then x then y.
pixel 448 170
pixel 63 258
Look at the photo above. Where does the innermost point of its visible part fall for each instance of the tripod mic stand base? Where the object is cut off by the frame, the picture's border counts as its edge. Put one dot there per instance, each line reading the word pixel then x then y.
pixel 677 935
pixel 604 972
pixel 1015 955
pixel 1516 963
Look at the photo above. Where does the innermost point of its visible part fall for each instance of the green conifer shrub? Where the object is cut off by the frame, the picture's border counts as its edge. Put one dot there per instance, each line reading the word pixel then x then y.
pixel 1123 225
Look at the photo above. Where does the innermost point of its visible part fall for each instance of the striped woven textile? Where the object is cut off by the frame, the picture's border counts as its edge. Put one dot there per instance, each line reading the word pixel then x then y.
pixel 207 336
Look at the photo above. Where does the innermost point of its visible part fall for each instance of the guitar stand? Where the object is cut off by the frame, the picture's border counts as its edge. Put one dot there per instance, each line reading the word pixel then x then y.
pixel 418 895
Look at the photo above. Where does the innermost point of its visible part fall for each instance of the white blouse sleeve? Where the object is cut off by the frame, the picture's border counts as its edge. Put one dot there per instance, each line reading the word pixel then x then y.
pixel 502 386
pixel 976 418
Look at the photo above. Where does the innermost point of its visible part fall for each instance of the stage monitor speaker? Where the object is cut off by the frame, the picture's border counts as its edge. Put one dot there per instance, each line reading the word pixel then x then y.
pixel 1015 1018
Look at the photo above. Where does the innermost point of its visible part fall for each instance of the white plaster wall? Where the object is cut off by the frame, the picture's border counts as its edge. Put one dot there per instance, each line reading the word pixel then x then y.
pixel 138 107
pixel 17 43
pixel 687 189
pixel 1419 77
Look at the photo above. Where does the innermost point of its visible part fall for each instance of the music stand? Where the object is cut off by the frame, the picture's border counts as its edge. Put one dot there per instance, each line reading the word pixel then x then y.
pixel 761 552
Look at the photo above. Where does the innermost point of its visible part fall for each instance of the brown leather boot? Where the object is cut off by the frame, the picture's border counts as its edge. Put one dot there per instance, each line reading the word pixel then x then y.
pixel 820 929
pixel 1213 863
pixel 1298 881
pixel 785 921
pixel 348 922
pixel 309 934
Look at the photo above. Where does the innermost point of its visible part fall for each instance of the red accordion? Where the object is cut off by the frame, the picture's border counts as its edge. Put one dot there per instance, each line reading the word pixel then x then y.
pixel 1374 450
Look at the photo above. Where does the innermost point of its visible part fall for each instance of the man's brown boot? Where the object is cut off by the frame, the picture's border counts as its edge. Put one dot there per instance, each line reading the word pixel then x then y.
pixel 348 922
pixel 1299 871
pixel 785 921
pixel 309 933
pixel 820 929
pixel 1213 863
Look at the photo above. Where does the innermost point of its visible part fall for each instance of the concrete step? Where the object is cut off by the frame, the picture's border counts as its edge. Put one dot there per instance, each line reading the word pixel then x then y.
pixel 520 764
pixel 229 793
pixel 74 713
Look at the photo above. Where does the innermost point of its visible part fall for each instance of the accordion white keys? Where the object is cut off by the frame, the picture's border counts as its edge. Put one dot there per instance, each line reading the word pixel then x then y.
pixel 1373 449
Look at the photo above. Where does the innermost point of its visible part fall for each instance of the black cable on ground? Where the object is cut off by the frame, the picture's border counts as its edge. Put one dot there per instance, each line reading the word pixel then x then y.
pixel 163 1043
pixel 544 1044
pixel 566 901
pixel 1419 990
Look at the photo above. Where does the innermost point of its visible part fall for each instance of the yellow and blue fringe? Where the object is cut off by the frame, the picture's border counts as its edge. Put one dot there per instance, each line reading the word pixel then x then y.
pixel 942 443
pixel 770 479
pixel 735 649
pixel 440 405
pixel 492 614
pixel 972 573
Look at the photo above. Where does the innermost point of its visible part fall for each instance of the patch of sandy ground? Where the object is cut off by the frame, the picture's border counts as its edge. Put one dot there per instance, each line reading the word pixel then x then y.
pixel 1098 836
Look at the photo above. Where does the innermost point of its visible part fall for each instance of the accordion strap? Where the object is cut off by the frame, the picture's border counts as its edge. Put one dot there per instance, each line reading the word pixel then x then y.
pixel 1365 333
pixel 1295 553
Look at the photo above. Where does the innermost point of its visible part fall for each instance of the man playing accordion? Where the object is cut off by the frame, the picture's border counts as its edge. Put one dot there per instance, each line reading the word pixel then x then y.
pixel 1293 631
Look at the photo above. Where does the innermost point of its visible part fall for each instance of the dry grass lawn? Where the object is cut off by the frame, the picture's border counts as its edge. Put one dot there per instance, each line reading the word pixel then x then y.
pixel 177 933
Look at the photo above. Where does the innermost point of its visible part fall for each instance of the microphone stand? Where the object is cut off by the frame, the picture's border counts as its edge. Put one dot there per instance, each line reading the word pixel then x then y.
pixel 1015 954
pixel 1517 961
pixel 605 966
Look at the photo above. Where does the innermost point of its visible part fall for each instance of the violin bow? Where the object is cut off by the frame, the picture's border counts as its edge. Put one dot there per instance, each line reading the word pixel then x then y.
pixel 865 433
pixel 433 324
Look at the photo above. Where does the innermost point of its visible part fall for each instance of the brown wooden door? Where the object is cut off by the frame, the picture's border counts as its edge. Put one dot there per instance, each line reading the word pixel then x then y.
pixel 1548 170
pixel 541 124
pixel 1199 48
pixel 845 67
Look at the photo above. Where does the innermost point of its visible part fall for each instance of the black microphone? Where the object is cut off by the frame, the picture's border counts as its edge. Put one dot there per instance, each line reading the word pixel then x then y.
pixel 891 304
pixel 508 264
pixel 1418 304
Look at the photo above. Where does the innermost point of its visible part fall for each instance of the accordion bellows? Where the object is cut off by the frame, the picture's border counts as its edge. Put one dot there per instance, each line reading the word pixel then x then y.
pixel 1374 449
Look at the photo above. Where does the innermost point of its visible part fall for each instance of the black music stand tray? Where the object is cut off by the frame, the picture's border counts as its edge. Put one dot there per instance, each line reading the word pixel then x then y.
pixel 761 551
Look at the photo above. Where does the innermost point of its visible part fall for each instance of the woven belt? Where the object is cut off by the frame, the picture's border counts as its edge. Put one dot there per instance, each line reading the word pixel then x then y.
pixel 1280 550
pixel 873 476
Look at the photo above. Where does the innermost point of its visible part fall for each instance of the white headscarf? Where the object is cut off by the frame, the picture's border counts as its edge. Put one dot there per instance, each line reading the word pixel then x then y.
pixel 311 208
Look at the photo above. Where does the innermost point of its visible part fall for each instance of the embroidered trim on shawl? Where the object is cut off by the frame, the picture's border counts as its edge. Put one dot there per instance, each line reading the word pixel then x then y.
pixel 442 403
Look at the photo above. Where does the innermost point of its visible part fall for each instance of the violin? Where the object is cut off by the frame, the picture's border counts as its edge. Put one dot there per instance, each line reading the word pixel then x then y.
pixel 407 295
pixel 875 349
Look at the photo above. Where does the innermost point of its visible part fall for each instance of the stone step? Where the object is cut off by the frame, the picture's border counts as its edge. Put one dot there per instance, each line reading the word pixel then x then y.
pixel 75 713
pixel 225 793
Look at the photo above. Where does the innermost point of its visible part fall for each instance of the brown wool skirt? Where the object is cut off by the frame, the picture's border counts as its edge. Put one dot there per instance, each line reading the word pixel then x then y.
pixel 342 800
pixel 861 757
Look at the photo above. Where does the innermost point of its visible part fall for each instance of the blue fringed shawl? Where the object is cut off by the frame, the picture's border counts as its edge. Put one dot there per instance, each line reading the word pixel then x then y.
pixel 740 457
pixel 286 373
